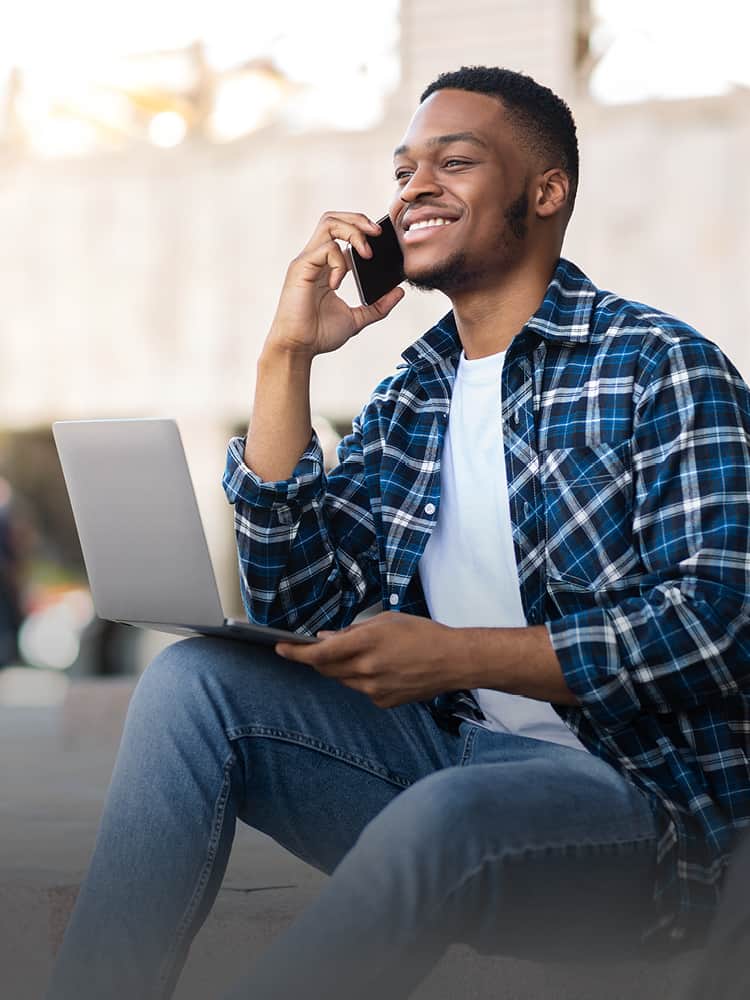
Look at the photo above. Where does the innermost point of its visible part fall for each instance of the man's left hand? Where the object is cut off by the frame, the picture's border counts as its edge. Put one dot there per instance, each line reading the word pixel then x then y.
pixel 393 658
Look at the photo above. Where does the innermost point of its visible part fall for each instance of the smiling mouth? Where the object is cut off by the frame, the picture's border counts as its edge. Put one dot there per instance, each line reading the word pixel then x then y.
pixel 425 227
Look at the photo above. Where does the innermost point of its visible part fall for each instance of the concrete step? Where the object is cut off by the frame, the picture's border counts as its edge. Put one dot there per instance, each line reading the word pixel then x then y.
pixel 57 761
pixel 245 920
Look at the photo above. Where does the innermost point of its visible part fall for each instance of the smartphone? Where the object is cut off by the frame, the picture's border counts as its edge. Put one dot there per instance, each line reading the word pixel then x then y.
pixel 376 275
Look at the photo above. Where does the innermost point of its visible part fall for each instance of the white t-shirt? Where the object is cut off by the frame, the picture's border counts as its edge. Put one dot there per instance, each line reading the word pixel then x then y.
pixel 468 569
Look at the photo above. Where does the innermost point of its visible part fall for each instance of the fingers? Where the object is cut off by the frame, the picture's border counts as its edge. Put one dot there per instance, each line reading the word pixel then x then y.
pixel 352 227
pixel 326 262
pixel 305 654
pixel 332 648
pixel 338 274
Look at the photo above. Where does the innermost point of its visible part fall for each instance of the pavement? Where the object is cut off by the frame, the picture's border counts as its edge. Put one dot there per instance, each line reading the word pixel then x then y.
pixel 58 741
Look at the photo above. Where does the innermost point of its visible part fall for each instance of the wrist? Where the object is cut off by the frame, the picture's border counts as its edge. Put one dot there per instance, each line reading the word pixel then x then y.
pixel 516 660
pixel 455 660
pixel 279 355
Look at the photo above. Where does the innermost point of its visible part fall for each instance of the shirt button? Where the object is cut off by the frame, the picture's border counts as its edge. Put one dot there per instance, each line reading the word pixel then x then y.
pixel 516 418
pixel 526 509
pixel 393 599
pixel 429 508
pixel 533 616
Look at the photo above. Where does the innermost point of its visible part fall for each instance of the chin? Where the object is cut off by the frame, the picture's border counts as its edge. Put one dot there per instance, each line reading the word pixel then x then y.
pixel 449 275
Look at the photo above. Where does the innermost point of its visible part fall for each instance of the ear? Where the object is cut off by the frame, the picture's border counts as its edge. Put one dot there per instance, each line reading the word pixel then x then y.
pixel 552 193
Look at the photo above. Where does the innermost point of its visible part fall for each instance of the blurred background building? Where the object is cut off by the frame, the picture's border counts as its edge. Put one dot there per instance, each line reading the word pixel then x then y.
pixel 160 164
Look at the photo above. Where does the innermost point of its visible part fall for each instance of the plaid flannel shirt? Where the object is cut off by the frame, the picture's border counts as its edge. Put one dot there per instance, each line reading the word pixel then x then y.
pixel 627 440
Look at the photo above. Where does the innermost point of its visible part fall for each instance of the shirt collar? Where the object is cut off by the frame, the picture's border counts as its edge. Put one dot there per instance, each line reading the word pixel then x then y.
pixel 563 317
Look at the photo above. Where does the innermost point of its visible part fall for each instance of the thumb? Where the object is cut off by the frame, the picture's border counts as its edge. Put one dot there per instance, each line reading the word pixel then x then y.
pixel 364 315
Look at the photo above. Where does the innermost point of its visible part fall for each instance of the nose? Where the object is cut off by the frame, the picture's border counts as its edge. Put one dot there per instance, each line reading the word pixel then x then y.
pixel 422 182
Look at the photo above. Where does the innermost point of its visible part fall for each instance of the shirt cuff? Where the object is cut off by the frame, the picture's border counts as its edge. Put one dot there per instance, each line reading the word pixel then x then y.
pixel 587 647
pixel 242 484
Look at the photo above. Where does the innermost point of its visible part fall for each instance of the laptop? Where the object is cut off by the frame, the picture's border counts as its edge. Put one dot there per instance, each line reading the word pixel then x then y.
pixel 140 530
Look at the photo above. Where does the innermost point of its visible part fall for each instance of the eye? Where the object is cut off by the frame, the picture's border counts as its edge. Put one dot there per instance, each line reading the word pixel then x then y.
pixel 402 174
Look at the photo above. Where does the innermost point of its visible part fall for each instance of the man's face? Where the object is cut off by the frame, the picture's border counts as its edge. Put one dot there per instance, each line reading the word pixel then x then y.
pixel 462 203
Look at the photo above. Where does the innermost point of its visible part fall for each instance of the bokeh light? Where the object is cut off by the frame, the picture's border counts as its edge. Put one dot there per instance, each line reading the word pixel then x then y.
pixel 99 76
pixel 668 49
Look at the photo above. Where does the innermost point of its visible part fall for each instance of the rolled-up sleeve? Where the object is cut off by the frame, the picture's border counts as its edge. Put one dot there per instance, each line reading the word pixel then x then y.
pixel 684 640
pixel 242 484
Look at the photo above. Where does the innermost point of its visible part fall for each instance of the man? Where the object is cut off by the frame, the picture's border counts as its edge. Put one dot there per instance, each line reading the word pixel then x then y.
pixel 540 746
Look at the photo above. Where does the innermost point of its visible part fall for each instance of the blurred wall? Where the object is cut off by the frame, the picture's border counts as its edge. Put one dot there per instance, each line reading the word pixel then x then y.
pixel 143 283
pixel 663 214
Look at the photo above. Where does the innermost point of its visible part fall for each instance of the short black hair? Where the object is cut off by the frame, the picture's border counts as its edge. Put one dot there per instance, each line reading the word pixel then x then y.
pixel 543 121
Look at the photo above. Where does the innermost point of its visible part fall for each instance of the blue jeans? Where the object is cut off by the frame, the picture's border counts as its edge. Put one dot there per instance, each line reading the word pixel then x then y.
pixel 512 845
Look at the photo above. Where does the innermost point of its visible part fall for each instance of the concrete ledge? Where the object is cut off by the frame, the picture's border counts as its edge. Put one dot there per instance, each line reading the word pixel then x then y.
pixel 243 923
pixel 57 765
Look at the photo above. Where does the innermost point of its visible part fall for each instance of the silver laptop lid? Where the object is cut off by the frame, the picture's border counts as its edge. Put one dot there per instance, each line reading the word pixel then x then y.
pixel 138 522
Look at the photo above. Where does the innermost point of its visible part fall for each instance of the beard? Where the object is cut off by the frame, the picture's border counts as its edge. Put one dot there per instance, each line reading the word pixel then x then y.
pixel 456 273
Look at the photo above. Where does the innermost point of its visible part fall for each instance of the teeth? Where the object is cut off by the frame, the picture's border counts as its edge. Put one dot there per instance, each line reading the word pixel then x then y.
pixel 429 222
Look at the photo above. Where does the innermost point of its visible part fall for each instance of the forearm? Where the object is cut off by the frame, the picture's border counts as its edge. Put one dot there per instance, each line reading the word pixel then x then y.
pixel 281 424
pixel 515 660
pixel 305 560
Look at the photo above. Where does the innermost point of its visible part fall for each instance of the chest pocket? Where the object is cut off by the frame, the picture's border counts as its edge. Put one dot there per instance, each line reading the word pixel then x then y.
pixel 588 509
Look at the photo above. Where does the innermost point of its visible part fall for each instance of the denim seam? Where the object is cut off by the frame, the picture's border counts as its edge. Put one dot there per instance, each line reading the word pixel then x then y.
pixel 468 745
pixel 313 743
pixel 218 822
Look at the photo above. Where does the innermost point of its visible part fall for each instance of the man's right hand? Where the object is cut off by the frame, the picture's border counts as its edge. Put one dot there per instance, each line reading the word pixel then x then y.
pixel 311 318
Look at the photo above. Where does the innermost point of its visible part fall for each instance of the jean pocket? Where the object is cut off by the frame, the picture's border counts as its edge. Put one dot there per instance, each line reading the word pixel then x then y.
pixel 588 509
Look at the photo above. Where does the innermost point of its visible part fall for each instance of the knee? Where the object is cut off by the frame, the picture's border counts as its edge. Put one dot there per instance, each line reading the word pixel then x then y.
pixel 431 815
pixel 177 667
pixel 180 675
pixel 421 844
pixel 201 675
pixel 462 811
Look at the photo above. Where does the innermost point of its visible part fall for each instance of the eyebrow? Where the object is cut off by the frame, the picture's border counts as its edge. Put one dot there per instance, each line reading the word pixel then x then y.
pixel 446 140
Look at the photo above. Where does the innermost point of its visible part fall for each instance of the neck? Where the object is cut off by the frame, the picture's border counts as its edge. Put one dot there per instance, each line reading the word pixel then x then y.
pixel 488 319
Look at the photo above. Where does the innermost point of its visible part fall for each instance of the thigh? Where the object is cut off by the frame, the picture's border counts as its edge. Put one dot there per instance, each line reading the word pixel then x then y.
pixel 316 760
pixel 530 849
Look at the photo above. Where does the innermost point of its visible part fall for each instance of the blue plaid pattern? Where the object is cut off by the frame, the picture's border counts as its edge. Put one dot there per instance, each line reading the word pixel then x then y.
pixel 627 440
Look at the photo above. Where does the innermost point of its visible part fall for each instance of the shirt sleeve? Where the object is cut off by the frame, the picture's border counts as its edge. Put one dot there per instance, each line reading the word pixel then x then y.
pixel 684 641
pixel 306 545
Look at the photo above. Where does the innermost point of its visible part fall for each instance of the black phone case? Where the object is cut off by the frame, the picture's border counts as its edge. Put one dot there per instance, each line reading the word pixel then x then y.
pixel 376 275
